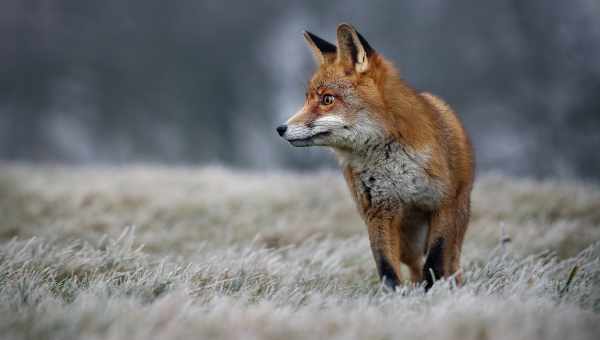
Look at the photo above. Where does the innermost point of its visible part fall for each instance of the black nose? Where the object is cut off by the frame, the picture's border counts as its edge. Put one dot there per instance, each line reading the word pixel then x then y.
pixel 281 129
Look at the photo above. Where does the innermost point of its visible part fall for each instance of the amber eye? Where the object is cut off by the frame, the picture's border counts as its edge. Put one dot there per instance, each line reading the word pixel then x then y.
pixel 327 99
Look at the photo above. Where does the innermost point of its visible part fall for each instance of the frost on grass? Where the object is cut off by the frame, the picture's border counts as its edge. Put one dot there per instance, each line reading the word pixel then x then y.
pixel 319 288
pixel 232 255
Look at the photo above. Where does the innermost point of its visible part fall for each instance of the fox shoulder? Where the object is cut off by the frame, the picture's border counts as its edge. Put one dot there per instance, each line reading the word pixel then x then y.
pixel 437 102
pixel 448 116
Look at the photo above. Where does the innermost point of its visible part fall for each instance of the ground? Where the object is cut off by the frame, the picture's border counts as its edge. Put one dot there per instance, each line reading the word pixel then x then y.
pixel 143 252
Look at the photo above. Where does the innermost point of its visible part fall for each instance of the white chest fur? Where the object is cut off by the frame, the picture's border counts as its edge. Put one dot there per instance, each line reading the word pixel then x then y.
pixel 389 175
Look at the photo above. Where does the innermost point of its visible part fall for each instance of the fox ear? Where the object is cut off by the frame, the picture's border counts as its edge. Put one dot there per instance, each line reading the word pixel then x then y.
pixel 320 47
pixel 353 49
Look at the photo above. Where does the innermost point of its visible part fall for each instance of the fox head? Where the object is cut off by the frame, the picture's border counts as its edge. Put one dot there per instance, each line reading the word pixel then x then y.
pixel 343 95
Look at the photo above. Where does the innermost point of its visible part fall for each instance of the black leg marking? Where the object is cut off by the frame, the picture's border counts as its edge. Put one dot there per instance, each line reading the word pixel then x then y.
pixel 434 265
pixel 367 191
pixel 387 273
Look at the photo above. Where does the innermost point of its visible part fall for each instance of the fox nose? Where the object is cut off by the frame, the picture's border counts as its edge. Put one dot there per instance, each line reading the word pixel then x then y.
pixel 281 129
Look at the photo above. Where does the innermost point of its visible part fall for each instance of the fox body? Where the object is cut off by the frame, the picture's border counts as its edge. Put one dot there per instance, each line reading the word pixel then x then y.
pixel 405 156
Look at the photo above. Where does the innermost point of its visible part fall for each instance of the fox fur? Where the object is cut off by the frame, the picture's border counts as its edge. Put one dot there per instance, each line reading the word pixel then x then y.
pixel 405 155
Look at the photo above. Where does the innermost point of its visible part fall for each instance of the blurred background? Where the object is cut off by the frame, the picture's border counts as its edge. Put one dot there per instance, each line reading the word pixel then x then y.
pixel 204 82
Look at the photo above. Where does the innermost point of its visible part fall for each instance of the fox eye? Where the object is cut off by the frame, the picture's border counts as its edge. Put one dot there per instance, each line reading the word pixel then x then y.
pixel 327 99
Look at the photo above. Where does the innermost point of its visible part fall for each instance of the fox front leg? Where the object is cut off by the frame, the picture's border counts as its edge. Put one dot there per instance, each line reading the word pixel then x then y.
pixel 446 234
pixel 384 238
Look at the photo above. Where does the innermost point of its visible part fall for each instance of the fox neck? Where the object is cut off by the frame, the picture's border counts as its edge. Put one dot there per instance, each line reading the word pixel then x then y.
pixel 364 149
pixel 404 115
pixel 402 119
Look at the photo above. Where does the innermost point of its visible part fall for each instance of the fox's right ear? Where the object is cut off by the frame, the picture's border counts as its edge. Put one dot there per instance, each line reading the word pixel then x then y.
pixel 354 51
pixel 322 49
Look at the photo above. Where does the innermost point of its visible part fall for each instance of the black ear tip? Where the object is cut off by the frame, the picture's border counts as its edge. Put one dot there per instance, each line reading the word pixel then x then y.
pixel 323 45
pixel 311 36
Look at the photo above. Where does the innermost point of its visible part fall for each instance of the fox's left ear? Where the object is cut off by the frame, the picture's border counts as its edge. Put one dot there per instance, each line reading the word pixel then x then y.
pixel 353 49
pixel 322 49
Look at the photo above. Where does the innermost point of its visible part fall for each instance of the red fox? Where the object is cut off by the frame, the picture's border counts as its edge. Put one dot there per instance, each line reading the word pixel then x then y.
pixel 406 157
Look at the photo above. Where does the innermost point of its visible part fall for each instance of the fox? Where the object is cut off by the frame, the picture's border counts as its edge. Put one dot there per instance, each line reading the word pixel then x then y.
pixel 405 156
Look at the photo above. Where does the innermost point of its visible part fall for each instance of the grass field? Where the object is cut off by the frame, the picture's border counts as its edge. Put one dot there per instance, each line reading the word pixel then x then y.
pixel 151 252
